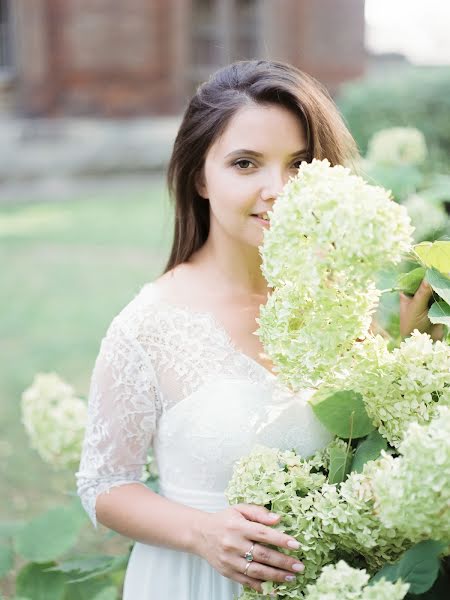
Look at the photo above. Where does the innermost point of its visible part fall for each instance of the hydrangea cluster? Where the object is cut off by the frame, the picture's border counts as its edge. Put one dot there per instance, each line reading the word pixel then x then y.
pixel 329 521
pixel 306 334
pixel 330 232
pixel 402 386
pixel 342 582
pixel 397 146
pixel 328 225
pixel 412 492
pixel 427 217
pixel 55 419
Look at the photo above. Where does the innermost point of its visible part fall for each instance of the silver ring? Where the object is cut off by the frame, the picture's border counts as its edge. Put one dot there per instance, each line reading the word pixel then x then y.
pixel 249 555
pixel 246 568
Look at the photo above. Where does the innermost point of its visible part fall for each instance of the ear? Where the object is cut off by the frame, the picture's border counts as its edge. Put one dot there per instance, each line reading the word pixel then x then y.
pixel 200 184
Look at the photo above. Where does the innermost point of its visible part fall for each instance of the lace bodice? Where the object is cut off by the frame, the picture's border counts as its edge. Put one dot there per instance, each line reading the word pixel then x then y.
pixel 171 378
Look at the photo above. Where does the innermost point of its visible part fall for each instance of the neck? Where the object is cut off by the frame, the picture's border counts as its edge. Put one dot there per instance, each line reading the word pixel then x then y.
pixel 232 267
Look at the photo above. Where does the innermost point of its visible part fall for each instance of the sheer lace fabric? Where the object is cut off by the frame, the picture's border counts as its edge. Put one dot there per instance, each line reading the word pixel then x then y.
pixel 170 378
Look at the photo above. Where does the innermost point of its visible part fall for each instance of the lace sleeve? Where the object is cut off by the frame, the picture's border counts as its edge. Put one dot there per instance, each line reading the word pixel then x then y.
pixel 122 413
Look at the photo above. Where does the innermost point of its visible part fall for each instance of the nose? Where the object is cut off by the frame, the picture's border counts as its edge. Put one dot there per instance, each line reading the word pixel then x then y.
pixel 273 184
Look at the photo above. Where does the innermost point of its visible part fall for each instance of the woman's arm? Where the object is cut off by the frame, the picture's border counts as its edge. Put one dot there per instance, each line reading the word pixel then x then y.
pixel 221 538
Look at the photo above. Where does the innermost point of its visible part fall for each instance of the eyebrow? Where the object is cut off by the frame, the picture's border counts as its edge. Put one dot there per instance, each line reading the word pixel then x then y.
pixel 258 154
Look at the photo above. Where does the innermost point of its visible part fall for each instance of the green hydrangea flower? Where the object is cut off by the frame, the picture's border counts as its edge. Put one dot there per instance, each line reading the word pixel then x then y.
pixel 403 386
pixel 397 146
pixel 342 582
pixel 55 420
pixel 412 492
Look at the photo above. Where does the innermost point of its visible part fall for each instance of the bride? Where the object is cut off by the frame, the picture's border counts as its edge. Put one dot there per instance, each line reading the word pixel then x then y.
pixel 180 369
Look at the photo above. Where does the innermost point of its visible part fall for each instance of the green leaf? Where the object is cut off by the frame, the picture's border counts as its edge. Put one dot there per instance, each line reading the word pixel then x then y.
pixel 439 590
pixel 84 565
pixel 109 593
pixel 342 412
pixel 94 589
pixel 340 461
pixel 440 313
pixel 6 559
pixel 368 449
pixel 409 282
pixel 419 567
pixel 49 535
pixel 388 572
pixel 440 283
pixel 434 255
pixel 34 582
pixel 118 563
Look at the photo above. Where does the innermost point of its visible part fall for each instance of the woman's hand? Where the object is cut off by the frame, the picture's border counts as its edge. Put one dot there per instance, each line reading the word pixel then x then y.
pixel 414 313
pixel 225 537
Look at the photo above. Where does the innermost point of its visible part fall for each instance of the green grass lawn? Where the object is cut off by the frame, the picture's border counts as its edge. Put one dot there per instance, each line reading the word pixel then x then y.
pixel 66 271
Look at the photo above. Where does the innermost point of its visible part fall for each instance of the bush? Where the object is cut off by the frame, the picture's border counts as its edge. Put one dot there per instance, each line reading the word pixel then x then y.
pixel 412 97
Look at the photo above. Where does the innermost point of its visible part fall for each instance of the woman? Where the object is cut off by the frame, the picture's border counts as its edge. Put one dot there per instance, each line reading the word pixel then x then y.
pixel 180 369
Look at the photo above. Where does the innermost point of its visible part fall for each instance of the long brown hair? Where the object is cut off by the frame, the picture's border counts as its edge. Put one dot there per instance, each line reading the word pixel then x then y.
pixel 207 115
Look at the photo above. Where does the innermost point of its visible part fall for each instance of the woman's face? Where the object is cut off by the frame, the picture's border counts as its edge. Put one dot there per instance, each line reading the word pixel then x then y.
pixel 246 168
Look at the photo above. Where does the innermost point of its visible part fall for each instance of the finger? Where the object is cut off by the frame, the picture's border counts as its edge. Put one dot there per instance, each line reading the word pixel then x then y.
pixel 255 584
pixel 422 296
pixel 266 535
pixel 259 514
pixel 267 556
pixel 264 573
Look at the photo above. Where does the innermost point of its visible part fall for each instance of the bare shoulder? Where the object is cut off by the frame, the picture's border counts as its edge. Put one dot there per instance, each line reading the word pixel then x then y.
pixel 182 284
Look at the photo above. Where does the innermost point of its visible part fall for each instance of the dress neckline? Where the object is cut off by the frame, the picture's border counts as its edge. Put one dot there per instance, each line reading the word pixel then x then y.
pixel 217 325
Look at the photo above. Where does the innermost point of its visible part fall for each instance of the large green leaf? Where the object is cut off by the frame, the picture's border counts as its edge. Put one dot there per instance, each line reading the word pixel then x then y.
pixel 94 589
pixel 342 412
pixel 434 255
pixel 440 313
pixel 83 569
pixel 34 582
pixel 440 283
pixel 49 535
pixel 368 449
pixel 6 559
pixel 340 462
pixel 419 567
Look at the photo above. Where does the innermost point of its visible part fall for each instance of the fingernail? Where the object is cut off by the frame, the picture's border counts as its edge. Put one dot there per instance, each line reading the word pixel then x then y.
pixel 273 516
pixel 293 544
pixel 289 578
pixel 298 567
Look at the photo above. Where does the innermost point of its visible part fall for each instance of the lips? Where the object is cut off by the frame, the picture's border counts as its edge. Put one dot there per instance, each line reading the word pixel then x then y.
pixel 264 216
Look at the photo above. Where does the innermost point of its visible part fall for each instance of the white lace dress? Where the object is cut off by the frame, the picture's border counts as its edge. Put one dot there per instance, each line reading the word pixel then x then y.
pixel 170 378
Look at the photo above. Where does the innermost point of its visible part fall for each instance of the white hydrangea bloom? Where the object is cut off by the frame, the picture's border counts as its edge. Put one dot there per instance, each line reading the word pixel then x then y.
pixel 307 335
pixel 342 582
pixel 427 217
pixel 397 146
pixel 55 419
pixel 402 386
pixel 328 225
pixel 329 521
pixel 412 492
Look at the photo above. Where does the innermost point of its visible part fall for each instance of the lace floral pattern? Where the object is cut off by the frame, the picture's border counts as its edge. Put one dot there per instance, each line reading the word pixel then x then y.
pixel 153 356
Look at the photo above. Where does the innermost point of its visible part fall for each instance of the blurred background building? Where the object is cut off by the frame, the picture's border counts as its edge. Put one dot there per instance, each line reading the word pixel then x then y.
pixel 111 58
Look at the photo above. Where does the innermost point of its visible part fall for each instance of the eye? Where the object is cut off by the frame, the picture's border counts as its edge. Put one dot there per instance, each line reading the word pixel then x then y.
pixel 299 162
pixel 240 161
